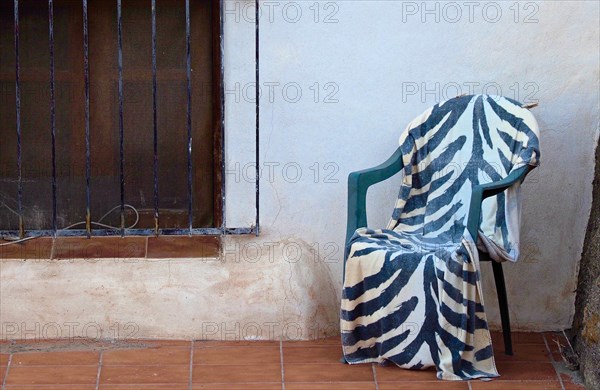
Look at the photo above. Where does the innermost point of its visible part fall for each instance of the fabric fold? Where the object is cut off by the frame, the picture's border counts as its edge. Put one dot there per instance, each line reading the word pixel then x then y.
pixel 412 292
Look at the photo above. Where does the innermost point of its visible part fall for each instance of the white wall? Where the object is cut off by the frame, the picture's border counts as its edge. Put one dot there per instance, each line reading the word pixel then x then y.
pixel 390 60
pixel 374 65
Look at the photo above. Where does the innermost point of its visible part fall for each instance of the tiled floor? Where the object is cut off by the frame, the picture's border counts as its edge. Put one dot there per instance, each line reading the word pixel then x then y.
pixel 290 365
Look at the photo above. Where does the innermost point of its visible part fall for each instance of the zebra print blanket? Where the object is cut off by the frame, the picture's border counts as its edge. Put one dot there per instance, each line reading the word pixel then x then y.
pixel 412 294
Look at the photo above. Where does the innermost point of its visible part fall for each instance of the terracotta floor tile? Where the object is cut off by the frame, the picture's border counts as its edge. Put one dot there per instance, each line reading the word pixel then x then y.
pixel 2 372
pixel 334 340
pixel 146 386
pixel 397 374
pixel 99 248
pixel 234 343
pixel 239 386
pixel 331 386
pixel 236 374
pixel 147 356
pixel 539 371
pixel 445 385
pixel 162 365
pixel 558 334
pixel 52 387
pixel 557 357
pixel 327 354
pixel 553 339
pixel 238 355
pixel 34 249
pixel 145 374
pixel 337 372
pixel 517 338
pixel 515 385
pixel 164 247
pixel 51 375
pixel 74 358
pixel 524 352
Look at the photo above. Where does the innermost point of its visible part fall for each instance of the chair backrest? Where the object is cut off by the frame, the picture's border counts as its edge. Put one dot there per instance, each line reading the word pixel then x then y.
pixel 450 148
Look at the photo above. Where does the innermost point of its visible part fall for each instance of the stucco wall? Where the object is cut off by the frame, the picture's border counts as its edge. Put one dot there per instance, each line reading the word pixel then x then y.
pixel 340 80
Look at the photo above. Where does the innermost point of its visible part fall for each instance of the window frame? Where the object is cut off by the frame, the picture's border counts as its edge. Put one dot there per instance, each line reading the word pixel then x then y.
pixel 218 206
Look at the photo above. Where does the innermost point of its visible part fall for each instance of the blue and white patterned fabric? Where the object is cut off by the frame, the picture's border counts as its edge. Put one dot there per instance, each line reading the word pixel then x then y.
pixel 412 294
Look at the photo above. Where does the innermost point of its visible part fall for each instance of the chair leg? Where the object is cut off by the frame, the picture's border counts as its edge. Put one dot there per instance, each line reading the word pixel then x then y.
pixel 503 305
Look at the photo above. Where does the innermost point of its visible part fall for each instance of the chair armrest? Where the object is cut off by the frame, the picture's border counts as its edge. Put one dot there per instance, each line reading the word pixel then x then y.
pixel 482 191
pixel 358 184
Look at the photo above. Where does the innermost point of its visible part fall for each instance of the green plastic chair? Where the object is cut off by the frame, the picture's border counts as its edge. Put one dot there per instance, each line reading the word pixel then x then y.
pixel 360 181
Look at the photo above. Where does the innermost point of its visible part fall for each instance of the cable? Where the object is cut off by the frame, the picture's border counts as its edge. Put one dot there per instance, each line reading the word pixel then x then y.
pixel 99 223
pixel 15 240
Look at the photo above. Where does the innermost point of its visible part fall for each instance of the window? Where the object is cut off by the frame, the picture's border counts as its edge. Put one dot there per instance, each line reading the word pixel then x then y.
pixel 136 152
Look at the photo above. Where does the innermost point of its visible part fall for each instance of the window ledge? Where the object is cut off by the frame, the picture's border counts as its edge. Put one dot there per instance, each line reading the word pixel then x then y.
pixel 130 247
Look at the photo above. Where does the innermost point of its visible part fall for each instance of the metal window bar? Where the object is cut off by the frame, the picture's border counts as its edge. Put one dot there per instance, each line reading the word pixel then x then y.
pixel 154 123
pixel 121 132
pixel 86 82
pixel 18 123
pixel 257 97
pixel 88 231
pixel 188 71
pixel 222 116
pixel 52 109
